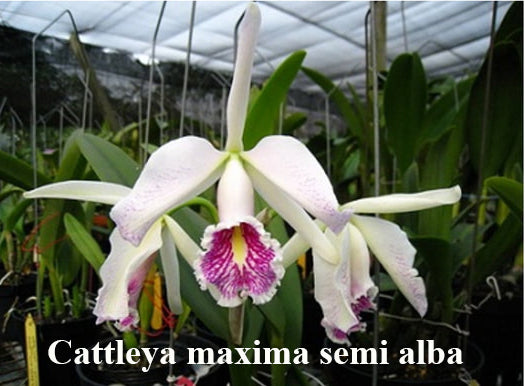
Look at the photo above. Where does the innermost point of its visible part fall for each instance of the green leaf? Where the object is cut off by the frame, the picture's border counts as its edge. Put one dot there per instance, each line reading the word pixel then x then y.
pixel 440 169
pixel 9 191
pixel 339 98
pixel 291 297
pixel 511 27
pixel 404 105
pixel 441 114
pixel 437 254
pixel 16 214
pixel 264 112
pixel 359 107
pixel 505 111
pixel 52 230
pixel 110 163
pixel 68 263
pixel 84 242
pixel 500 249
pixel 273 312
pixel 293 121
pixel 510 191
pixel 19 173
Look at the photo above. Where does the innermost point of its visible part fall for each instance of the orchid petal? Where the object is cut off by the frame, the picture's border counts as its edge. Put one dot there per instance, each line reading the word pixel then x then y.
pixel 332 290
pixel 398 203
pixel 361 283
pixel 287 163
pixel 96 191
pixel 185 244
pixel 292 213
pixel 175 173
pixel 240 89
pixel 123 274
pixel 170 265
pixel 293 248
pixel 391 247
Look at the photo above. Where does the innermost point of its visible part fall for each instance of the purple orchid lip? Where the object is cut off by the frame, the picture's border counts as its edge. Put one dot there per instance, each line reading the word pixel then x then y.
pixel 240 259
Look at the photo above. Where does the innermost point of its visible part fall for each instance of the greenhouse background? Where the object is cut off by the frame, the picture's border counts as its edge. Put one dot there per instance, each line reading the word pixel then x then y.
pixel 409 111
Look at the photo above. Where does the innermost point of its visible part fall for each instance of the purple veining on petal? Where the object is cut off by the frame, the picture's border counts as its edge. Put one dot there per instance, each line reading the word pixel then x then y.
pixel 362 304
pixel 339 334
pixel 255 274
pixel 126 322
pixel 335 334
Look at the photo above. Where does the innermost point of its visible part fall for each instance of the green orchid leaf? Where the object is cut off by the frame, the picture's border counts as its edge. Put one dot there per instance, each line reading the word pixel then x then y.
pixel 339 98
pixel 19 173
pixel 437 254
pixel 16 214
pixel 404 105
pixel 505 111
pixel 84 242
pixel 359 107
pixel 510 191
pixel 265 110
pixel 500 249
pixel 293 122
pixel 68 262
pixel 52 230
pixel 8 191
pixel 273 313
pixel 254 323
pixel 291 297
pixel 511 27
pixel 110 163
pixel 442 113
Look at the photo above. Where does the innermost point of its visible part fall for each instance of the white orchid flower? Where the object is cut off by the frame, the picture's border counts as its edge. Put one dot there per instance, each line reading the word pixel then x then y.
pixel 127 265
pixel 240 259
pixel 345 289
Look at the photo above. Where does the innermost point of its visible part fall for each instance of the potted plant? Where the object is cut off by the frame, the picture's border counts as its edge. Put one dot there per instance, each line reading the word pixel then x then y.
pixel 440 131
pixel 17 280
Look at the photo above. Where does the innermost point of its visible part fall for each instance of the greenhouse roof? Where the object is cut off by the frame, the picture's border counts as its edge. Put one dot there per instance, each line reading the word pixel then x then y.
pixel 451 37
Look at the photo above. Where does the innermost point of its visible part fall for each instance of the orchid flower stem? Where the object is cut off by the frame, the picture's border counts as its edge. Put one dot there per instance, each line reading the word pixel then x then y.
pixel 212 210
pixel 40 288
pixel 10 250
pixel 236 319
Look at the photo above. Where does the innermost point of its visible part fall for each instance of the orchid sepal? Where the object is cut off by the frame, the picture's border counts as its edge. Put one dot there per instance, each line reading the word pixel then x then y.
pixel 95 191
pixel 405 202
pixel 240 90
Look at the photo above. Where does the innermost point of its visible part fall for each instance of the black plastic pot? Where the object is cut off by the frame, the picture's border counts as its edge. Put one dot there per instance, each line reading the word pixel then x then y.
pixel 349 374
pixel 497 328
pixel 93 375
pixel 81 332
pixel 8 297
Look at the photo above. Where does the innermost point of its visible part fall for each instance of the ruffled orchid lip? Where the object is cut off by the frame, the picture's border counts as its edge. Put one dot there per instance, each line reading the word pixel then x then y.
pixel 239 260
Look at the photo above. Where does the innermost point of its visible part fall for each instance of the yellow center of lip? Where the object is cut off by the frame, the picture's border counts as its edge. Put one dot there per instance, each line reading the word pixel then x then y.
pixel 239 247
